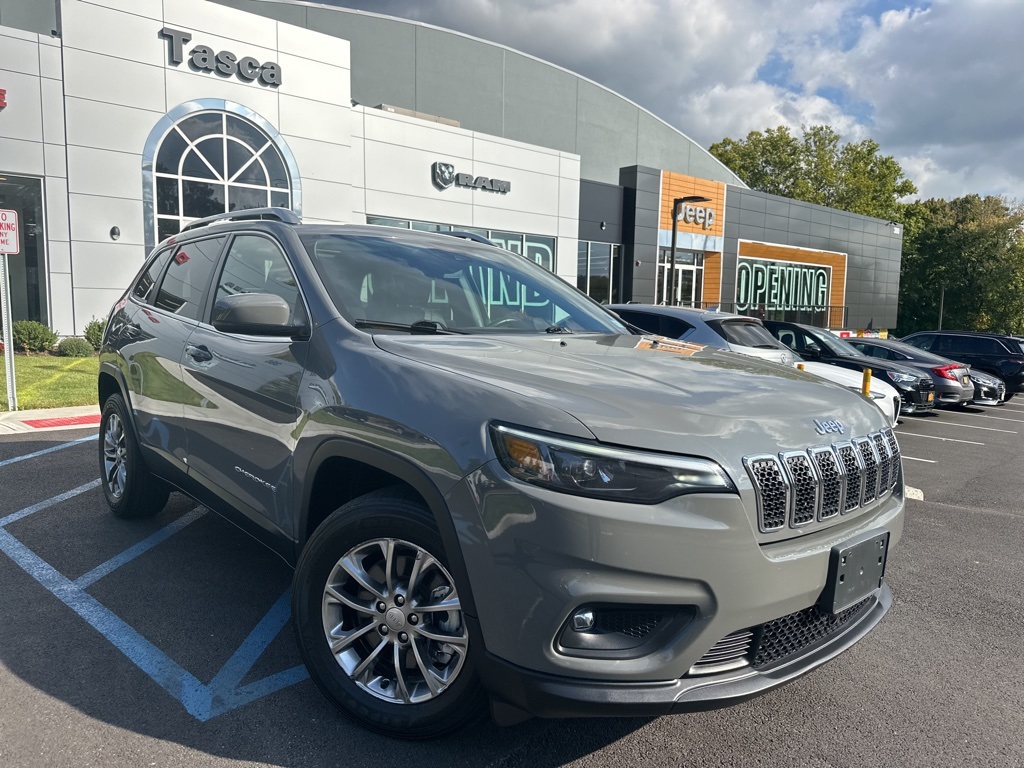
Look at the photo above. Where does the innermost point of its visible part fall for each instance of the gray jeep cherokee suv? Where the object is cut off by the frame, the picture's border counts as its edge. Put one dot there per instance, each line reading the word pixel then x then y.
pixel 490 489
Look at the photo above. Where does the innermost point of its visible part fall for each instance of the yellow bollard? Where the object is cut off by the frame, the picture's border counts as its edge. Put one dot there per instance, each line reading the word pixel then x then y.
pixel 865 385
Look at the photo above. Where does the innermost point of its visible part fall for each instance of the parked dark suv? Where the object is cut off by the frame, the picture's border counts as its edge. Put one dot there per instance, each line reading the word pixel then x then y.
pixel 998 354
pixel 813 343
pixel 490 489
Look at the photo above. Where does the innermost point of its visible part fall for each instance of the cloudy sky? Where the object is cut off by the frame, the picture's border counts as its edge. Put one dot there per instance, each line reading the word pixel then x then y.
pixel 935 82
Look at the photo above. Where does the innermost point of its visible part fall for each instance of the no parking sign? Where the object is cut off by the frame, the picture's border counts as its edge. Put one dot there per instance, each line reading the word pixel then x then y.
pixel 9 245
pixel 9 232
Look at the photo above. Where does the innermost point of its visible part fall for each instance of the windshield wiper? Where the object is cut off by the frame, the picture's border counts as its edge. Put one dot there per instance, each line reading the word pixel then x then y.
pixel 556 329
pixel 428 327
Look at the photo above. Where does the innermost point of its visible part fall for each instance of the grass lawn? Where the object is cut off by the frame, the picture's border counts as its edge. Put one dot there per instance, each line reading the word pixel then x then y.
pixel 45 381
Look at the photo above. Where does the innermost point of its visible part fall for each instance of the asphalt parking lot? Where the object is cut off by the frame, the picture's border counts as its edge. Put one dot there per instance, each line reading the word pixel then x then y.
pixel 166 642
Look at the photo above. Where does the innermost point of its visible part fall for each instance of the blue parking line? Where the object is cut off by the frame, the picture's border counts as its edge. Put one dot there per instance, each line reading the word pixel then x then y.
pixel 225 692
pixel 45 451
pixel 48 503
pixel 142 653
pixel 97 573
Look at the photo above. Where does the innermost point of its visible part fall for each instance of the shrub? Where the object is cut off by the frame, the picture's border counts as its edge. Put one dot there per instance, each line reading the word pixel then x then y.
pixel 30 336
pixel 73 346
pixel 94 333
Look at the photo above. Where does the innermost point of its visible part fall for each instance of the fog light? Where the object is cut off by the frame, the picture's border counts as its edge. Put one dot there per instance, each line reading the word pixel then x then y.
pixel 583 621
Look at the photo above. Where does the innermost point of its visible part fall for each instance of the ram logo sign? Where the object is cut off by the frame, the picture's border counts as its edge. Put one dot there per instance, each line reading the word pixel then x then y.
pixel 445 176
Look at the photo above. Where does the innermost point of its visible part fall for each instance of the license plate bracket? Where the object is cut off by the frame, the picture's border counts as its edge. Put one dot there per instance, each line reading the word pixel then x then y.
pixel 855 570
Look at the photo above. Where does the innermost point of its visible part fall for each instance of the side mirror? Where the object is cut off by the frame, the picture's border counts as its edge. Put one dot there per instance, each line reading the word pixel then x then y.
pixel 812 351
pixel 255 314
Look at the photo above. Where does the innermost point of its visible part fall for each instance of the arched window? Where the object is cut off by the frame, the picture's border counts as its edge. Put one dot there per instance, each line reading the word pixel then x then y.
pixel 212 161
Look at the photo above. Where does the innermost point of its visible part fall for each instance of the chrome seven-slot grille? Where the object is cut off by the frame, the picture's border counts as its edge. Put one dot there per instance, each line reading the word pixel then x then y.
pixel 798 488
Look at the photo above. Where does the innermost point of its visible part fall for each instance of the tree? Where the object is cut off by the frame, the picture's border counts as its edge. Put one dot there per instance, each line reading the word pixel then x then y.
pixel 967 253
pixel 816 169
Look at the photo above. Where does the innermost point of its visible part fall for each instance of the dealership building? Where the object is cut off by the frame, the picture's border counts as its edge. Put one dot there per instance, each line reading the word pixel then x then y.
pixel 121 120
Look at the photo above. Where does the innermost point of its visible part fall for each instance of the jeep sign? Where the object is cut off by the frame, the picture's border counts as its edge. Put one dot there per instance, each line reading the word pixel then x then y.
pixel 203 59
pixel 444 176
pixel 696 214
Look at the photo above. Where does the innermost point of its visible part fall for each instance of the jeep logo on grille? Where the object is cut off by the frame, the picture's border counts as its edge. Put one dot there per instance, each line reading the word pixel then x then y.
pixel 444 175
pixel 828 426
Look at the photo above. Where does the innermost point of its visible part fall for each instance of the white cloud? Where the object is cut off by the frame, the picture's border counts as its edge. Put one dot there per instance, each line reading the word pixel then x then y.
pixel 933 81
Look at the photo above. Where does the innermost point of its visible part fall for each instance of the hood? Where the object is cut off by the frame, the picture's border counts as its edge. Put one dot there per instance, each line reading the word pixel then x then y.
pixel 652 392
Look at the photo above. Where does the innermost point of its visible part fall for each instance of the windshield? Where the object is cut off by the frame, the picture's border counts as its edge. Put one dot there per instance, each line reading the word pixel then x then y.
pixel 458 285
pixel 837 346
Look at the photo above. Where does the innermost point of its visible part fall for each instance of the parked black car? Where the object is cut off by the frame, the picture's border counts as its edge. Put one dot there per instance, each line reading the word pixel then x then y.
pixel 988 389
pixel 995 353
pixel 812 343
pixel 952 379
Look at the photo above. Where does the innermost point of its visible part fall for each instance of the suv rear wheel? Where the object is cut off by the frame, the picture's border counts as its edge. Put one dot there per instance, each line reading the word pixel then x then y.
pixel 379 621
pixel 131 490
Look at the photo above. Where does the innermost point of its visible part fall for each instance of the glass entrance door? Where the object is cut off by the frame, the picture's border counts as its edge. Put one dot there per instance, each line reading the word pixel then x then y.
pixel 684 289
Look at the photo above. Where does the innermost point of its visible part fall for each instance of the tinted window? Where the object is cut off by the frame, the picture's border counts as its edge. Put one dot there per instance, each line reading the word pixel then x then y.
pixel 144 286
pixel 188 276
pixel 652 322
pixel 921 342
pixel 745 334
pixel 880 352
pixel 256 264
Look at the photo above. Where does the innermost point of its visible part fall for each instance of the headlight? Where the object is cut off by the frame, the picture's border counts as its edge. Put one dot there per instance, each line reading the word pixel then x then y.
pixel 901 378
pixel 586 469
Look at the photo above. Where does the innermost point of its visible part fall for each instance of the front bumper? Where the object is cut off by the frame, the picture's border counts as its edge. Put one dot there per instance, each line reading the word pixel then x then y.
pixel 535 557
pixel 552 696
pixel 917 401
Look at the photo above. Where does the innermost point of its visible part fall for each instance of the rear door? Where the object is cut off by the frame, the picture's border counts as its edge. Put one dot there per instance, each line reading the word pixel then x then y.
pixel 151 331
pixel 242 413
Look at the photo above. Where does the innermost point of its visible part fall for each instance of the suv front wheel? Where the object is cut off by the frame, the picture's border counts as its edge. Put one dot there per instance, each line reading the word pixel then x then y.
pixel 379 621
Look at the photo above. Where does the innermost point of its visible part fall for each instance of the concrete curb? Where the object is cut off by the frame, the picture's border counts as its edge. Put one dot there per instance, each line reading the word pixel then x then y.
pixel 49 419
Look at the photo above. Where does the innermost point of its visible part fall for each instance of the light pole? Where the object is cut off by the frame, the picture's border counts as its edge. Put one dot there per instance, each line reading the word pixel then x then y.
pixel 678 203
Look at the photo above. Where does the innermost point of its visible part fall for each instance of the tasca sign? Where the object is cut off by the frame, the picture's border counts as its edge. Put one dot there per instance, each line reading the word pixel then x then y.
pixel 203 59
pixel 445 176
pixel 9 232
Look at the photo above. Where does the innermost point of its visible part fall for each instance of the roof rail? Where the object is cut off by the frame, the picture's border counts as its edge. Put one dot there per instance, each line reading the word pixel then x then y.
pixel 469 236
pixel 248 214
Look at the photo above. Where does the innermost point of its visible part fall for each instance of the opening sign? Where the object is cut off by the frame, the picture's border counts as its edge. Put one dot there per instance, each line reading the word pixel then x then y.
pixel 9 232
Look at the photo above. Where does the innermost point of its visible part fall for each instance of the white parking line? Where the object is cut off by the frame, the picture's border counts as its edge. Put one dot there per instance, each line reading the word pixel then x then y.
pixel 933 437
pixel 911 458
pixel 1001 418
pixel 965 426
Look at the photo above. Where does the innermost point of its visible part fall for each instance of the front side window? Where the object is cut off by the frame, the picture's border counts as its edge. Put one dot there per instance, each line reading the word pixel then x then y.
pixel 188 276
pixel 461 286
pixel 255 264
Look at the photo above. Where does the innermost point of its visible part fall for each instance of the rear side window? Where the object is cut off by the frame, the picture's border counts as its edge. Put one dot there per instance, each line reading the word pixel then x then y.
pixel 922 342
pixel 745 334
pixel 188 276
pixel 143 287
pixel 664 325
pixel 256 264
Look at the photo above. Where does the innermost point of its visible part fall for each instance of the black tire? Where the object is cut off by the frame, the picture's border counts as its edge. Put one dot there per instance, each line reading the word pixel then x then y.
pixel 131 490
pixel 355 533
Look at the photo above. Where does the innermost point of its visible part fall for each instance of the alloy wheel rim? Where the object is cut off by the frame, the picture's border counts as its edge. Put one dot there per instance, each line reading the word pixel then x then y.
pixel 393 621
pixel 115 459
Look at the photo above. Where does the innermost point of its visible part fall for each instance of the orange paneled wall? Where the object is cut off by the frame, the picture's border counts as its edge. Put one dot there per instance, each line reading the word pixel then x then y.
pixel 675 185
pixel 712 292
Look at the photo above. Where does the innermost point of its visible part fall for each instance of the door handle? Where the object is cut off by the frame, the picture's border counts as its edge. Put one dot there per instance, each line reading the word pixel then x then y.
pixel 200 354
